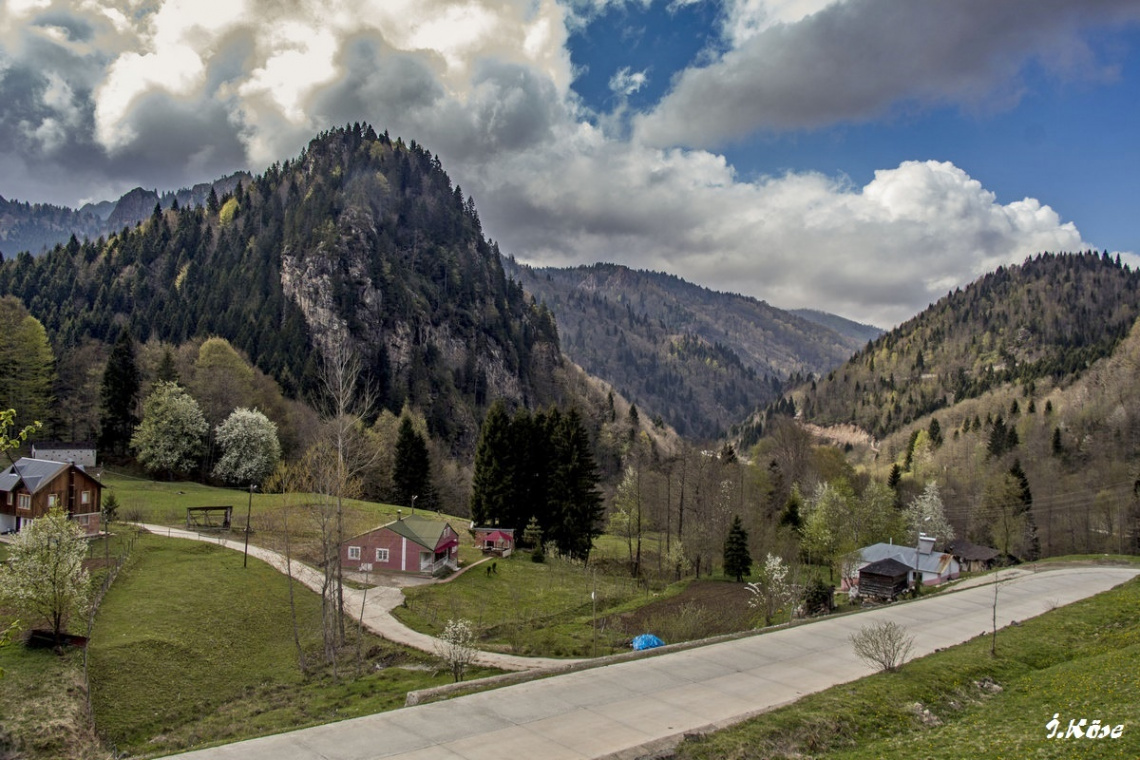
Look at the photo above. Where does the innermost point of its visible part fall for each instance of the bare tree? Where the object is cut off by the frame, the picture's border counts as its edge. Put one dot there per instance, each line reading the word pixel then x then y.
pixel 885 645
pixel 341 458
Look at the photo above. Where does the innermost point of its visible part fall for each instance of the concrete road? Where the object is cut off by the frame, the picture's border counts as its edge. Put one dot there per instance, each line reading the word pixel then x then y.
pixel 624 710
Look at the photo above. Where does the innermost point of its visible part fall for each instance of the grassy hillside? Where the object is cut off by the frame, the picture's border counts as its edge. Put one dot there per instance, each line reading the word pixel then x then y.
pixel 176 662
pixel 1077 661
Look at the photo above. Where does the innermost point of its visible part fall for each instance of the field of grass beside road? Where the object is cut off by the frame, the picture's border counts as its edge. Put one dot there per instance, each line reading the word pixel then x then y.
pixel 165 503
pixel 1077 661
pixel 191 649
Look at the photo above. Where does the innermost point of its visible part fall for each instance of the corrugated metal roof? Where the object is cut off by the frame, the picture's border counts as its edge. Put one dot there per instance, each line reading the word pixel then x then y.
pixel 936 562
pixel 33 472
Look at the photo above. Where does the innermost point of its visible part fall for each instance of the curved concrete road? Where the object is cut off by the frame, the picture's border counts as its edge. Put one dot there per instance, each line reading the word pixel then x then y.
pixel 375 605
pixel 629 709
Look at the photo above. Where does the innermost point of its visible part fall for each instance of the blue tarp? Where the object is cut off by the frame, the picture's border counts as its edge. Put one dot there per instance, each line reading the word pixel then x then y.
pixel 646 641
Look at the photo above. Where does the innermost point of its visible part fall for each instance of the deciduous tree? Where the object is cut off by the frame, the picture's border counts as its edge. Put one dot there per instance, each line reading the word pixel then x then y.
pixel 250 449
pixel 171 436
pixel 44 577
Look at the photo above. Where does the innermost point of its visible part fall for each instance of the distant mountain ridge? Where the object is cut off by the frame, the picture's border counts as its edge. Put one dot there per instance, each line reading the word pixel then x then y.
pixel 700 359
pixel 852 329
pixel 37 227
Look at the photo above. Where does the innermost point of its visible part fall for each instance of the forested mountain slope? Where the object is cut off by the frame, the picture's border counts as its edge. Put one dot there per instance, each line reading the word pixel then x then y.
pixel 699 359
pixel 1048 318
pixel 362 240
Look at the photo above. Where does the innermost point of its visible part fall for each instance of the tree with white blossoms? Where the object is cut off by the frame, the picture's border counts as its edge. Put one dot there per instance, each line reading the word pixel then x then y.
pixel 925 514
pixel 250 448
pixel 44 578
pixel 456 646
pixel 170 437
pixel 774 591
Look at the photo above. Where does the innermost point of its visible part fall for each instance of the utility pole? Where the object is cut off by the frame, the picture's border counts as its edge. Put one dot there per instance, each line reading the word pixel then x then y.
pixel 248 512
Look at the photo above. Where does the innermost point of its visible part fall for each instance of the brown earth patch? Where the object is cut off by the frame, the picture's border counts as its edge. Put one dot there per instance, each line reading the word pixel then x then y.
pixel 703 609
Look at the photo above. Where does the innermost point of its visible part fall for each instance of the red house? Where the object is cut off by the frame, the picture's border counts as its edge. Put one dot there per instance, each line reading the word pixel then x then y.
pixel 409 545
pixel 31 487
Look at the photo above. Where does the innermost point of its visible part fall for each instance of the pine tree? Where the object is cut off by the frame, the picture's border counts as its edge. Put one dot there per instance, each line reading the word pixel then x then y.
pixel 493 484
pixel 737 560
pixel 119 396
pixel 412 470
pixel 576 506
pixel 166 372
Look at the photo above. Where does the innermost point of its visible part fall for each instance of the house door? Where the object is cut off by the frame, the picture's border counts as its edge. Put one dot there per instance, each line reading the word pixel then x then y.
pixel 425 562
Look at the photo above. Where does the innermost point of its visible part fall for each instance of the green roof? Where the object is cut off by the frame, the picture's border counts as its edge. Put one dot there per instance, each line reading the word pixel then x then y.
pixel 423 531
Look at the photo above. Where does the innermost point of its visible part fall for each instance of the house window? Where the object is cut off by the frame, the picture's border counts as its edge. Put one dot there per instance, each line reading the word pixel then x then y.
pixel 11 497
pixel 381 555
pixel 85 498
pixel 53 500
pixel 354 552
pixel 25 501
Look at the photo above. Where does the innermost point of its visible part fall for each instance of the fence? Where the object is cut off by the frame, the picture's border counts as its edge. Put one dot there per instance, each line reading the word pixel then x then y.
pixel 96 600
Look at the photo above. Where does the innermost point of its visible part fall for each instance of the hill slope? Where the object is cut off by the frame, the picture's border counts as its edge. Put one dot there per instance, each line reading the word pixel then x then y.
pixel 698 358
pixel 362 240
pixel 1050 317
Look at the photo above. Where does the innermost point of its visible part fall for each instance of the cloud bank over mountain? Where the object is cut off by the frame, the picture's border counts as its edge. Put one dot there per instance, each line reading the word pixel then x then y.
pixel 103 95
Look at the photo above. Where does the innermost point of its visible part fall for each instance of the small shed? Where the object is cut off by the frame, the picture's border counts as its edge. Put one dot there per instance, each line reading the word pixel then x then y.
pixel 493 540
pixel 884 579
pixel 973 558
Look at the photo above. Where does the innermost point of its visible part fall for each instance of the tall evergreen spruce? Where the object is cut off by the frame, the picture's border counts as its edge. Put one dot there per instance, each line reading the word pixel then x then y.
pixel 412 474
pixel 737 559
pixel 119 396
pixel 575 504
pixel 492 489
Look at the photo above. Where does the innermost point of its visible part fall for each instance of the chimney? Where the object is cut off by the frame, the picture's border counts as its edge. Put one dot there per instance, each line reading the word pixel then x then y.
pixel 399 515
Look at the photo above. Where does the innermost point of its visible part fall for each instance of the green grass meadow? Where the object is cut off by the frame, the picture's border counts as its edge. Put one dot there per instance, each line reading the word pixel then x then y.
pixel 1079 661
pixel 191 649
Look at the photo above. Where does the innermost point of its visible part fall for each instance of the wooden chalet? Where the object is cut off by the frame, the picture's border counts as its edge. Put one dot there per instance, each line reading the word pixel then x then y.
pixel 29 488
pixel 408 545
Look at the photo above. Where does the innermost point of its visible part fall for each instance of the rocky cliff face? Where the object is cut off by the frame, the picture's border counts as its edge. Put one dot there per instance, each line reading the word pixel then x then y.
pixel 132 208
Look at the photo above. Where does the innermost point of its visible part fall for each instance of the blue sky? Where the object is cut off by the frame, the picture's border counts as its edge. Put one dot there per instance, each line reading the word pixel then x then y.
pixel 858 156
pixel 1073 144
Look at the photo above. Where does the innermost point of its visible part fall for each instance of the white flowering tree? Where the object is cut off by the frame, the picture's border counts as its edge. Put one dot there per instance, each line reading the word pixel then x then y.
pixel 925 514
pixel 774 591
pixel 456 646
pixel 44 578
pixel 170 437
pixel 250 448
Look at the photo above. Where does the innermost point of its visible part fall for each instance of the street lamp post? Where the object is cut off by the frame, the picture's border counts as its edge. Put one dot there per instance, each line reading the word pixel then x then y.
pixel 248 512
pixel 414 497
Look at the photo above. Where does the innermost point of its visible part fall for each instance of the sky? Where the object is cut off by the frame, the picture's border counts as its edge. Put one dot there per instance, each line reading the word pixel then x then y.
pixel 862 157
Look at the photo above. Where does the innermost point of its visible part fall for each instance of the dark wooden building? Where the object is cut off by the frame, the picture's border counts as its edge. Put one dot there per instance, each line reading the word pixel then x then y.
pixel 29 488
pixel 884 579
